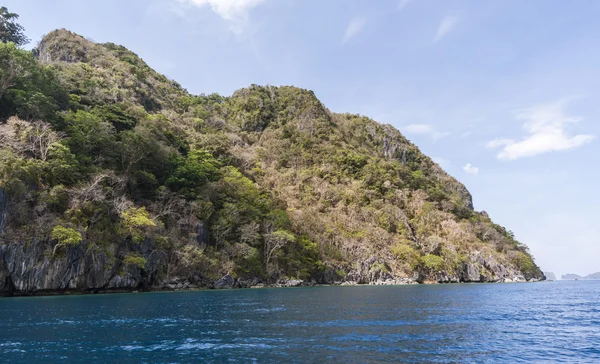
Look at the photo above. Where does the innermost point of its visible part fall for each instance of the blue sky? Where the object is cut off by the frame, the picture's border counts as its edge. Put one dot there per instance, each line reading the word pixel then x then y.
pixel 503 94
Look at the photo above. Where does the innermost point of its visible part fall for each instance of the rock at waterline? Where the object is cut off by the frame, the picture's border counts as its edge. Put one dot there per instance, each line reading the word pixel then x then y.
pixel 226 282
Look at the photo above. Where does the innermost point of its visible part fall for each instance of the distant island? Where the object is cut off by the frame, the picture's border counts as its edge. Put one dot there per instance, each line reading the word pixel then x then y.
pixel 115 178
pixel 550 276
pixel 572 277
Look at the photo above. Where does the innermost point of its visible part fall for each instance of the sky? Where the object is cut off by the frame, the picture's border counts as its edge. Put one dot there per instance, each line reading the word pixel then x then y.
pixel 502 94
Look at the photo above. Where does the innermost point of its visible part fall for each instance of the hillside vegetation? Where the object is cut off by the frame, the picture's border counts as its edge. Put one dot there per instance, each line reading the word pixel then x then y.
pixel 118 178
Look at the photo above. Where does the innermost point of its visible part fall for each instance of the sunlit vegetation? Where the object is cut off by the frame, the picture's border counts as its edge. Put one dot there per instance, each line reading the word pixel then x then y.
pixel 96 148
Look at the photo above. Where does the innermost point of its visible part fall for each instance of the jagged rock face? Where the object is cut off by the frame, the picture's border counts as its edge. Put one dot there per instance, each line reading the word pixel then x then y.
pixel 371 270
pixel 68 48
pixel 396 147
pixel 3 208
pixel 30 269
pixel 482 268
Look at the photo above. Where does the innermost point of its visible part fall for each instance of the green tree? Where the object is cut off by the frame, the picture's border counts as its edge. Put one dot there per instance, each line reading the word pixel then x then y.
pixel 10 30
pixel 135 259
pixel 62 165
pixel 92 140
pixel 135 222
pixel 15 64
pixel 406 254
pixel 198 168
pixel 122 116
pixel 65 236
pixel 432 263
pixel 27 88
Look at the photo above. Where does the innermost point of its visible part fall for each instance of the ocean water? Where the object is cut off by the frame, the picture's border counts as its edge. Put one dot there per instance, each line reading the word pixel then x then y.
pixel 532 322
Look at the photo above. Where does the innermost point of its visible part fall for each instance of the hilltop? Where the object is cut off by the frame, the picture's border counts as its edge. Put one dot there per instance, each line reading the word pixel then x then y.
pixel 113 177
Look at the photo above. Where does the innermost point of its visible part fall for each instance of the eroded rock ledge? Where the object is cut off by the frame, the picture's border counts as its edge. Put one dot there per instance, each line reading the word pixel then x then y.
pixel 28 270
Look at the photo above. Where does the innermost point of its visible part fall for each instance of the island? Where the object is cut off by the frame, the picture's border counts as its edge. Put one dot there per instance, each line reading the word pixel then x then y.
pixel 115 178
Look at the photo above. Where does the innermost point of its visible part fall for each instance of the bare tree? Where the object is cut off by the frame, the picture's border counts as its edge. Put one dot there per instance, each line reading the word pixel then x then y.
pixel 276 241
pixel 168 204
pixel 121 203
pixel 39 138
pixel 35 138
pixel 250 233
pixel 95 191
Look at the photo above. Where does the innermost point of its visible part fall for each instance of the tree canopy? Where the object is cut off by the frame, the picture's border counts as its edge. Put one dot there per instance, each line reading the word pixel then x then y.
pixel 10 30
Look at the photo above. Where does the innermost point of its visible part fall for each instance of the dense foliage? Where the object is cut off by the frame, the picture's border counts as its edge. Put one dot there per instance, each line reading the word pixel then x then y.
pixel 99 149
pixel 10 30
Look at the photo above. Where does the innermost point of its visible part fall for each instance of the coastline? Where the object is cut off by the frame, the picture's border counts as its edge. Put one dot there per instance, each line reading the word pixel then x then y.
pixel 191 288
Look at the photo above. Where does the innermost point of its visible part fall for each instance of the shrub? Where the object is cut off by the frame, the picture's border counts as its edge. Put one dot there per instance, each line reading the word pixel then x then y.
pixel 197 169
pixel 524 262
pixel 66 236
pixel 406 254
pixel 432 262
pixel 135 221
pixel 58 199
pixel 134 259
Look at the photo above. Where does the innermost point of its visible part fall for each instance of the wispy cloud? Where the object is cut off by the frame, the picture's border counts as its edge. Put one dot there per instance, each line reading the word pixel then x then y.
pixel 234 12
pixel 425 129
pixel 355 26
pixel 446 26
pixel 500 142
pixel 546 126
pixel 470 169
pixel 402 4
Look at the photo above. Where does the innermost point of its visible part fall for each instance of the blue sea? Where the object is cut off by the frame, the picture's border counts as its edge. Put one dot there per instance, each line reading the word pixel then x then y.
pixel 456 323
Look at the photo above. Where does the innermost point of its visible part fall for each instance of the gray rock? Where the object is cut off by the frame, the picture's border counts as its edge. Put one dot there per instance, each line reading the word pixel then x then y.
pixel 289 283
pixel 201 235
pixel 31 268
pixel 226 282
pixel 519 278
pixel 246 283
pixel 471 273
pixel 294 283
pixel 3 208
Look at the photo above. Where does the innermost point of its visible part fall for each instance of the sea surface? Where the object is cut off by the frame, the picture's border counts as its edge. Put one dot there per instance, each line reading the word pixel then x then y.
pixel 519 322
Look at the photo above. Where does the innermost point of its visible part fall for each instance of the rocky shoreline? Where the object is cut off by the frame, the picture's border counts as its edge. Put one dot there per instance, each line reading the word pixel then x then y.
pixel 27 269
pixel 227 282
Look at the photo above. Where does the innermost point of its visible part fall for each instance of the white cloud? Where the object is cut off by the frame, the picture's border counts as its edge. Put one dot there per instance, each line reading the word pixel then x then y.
pixel 500 142
pixel 402 4
pixel 235 12
pixel 445 27
pixel 355 26
pixel 425 129
pixel 470 169
pixel 546 126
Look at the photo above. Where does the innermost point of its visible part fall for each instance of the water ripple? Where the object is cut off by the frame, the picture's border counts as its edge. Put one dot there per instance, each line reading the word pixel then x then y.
pixel 546 322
